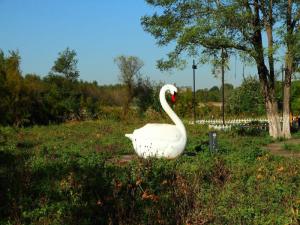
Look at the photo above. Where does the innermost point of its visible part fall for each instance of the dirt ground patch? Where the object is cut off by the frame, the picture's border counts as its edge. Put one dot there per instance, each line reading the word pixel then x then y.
pixel 123 159
pixel 278 148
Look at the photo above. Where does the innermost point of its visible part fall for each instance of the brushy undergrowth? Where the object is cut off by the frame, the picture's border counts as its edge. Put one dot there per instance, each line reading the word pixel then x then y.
pixel 65 174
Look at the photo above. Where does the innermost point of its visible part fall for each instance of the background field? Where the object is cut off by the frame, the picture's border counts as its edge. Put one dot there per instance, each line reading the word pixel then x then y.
pixel 73 173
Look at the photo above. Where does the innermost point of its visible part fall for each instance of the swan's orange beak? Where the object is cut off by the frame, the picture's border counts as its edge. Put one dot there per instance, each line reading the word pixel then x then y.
pixel 173 97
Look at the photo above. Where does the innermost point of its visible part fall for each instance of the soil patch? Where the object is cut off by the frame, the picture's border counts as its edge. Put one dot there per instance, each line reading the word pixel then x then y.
pixel 123 159
pixel 278 148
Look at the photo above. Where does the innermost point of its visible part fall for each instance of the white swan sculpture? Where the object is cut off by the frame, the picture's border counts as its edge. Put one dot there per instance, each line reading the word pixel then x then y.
pixel 161 140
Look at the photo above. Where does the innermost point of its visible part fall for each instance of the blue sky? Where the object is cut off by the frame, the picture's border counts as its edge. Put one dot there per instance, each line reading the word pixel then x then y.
pixel 98 30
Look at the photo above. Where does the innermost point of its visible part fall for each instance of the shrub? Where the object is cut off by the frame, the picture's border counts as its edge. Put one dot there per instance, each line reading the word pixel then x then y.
pixel 254 128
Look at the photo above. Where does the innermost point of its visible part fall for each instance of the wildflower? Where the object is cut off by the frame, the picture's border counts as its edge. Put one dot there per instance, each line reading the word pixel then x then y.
pixel 99 202
pixel 260 169
pixel 138 182
pixel 145 195
pixel 164 182
pixel 118 184
pixel 259 177
pixel 151 197
pixel 295 211
pixel 280 169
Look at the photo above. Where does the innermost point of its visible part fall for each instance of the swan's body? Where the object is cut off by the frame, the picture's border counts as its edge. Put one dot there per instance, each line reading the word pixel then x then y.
pixel 160 140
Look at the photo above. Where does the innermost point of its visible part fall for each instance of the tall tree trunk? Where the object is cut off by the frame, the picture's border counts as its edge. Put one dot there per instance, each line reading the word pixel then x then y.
pixel 287 95
pixel 267 12
pixel 273 118
pixel 270 102
pixel 288 72
pixel 286 104
pixel 266 77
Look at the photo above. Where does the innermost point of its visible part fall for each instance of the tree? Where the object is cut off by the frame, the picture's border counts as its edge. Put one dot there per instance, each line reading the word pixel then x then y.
pixel 129 67
pixel 199 26
pixel 246 99
pixel 214 94
pixel 3 89
pixel 66 65
pixel 291 40
pixel 62 97
pixel 61 82
pixel 15 100
pixel 35 90
pixel 184 106
pixel 144 94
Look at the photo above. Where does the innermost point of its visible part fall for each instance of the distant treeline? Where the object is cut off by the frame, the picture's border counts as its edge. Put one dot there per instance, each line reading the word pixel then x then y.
pixel 59 96
pixel 246 99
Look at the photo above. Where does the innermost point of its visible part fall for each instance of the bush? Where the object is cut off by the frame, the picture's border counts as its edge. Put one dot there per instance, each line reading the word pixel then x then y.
pixel 254 128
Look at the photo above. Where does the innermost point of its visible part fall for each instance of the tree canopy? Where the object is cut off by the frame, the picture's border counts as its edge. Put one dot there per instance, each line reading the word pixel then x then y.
pixel 66 64
pixel 129 67
pixel 202 28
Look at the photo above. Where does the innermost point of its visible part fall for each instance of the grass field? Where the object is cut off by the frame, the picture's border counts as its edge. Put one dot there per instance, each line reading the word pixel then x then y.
pixel 70 174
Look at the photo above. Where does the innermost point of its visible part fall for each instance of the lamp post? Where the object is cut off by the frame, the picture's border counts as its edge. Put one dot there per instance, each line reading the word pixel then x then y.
pixel 223 57
pixel 282 88
pixel 194 91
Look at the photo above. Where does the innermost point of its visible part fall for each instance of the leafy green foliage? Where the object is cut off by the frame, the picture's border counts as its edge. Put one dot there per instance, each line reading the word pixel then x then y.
pixel 205 30
pixel 55 98
pixel 199 27
pixel 247 98
pixel 66 65
pixel 144 94
pixel 13 92
pixel 295 97
pixel 184 106
pixel 129 67
pixel 30 99
pixel 211 95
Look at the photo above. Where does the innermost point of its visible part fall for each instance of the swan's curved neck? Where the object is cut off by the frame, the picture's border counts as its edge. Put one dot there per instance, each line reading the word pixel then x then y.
pixel 169 111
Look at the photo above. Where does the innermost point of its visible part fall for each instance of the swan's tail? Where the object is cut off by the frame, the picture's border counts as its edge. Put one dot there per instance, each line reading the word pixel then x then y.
pixel 130 136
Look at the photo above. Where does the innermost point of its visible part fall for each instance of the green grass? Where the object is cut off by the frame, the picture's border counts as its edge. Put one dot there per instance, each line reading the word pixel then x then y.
pixel 291 147
pixel 63 174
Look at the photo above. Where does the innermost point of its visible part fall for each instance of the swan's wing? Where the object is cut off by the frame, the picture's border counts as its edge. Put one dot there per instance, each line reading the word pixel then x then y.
pixel 163 132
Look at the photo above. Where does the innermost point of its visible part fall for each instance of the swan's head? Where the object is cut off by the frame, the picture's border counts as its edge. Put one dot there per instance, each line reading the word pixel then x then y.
pixel 172 89
pixel 168 88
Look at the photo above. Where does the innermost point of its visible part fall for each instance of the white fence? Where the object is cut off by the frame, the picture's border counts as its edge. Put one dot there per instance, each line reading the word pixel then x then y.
pixel 218 124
